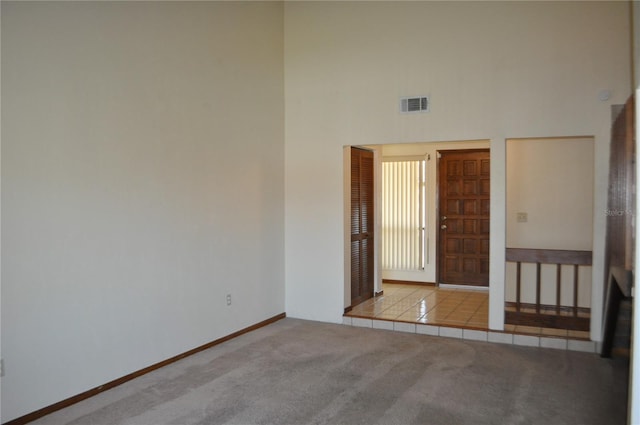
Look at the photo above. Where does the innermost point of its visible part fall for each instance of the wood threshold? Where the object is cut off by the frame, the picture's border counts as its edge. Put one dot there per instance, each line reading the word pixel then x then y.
pixel 29 417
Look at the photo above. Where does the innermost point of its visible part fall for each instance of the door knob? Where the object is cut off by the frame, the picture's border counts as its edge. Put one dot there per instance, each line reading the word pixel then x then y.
pixel 444 226
pixel 444 217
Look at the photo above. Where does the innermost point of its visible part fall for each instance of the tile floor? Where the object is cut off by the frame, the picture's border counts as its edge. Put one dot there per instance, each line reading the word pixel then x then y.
pixel 454 308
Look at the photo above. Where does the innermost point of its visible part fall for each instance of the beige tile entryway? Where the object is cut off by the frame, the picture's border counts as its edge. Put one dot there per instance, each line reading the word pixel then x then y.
pixel 455 308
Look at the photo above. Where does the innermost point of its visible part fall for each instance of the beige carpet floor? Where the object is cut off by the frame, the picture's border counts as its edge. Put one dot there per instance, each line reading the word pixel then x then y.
pixel 301 372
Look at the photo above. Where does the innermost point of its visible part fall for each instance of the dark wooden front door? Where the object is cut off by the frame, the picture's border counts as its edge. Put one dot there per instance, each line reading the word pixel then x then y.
pixel 362 225
pixel 463 244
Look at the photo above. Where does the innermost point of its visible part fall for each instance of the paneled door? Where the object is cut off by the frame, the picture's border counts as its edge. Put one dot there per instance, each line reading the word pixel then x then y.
pixel 362 226
pixel 463 237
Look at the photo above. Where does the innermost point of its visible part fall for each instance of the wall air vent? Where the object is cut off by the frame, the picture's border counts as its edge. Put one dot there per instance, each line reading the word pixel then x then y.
pixel 414 104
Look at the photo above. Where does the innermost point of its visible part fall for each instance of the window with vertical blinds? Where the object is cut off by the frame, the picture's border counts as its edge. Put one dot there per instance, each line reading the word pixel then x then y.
pixel 403 214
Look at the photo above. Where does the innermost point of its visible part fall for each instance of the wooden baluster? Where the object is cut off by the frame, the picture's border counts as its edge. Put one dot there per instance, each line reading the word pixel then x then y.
pixel 558 286
pixel 575 290
pixel 540 315
pixel 518 286
pixel 538 288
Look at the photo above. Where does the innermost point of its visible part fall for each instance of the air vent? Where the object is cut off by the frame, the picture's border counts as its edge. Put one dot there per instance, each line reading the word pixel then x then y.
pixel 414 104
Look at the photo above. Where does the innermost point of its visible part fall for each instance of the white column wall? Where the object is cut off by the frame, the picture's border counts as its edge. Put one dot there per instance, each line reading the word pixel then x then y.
pixel 494 70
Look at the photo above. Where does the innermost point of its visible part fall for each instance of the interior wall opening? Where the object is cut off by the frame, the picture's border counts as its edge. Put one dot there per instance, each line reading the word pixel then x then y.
pixel 424 240
pixel 549 210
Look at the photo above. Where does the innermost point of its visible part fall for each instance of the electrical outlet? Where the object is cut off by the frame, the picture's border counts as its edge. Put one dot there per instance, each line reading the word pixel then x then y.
pixel 228 299
pixel 522 217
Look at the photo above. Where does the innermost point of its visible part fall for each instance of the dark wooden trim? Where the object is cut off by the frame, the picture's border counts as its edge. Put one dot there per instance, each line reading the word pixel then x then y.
pixel 97 390
pixel 347 309
pixel 612 307
pixel 624 279
pixel 547 308
pixel 549 256
pixel 618 287
pixel 620 244
pixel 549 316
pixel 546 315
pixel 378 294
pixel 573 323
pixel 407 282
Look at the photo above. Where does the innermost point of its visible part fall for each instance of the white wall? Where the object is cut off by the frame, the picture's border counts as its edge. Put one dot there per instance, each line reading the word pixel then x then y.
pixel 125 125
pixel 142 181
pixel 494 70
pixel 551 180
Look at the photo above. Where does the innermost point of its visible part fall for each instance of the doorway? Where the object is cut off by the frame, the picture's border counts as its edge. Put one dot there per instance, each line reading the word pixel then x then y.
pixel 424 275
pixel 464 215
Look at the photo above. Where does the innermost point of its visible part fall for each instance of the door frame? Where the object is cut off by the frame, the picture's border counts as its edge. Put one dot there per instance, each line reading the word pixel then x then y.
pixel 437 210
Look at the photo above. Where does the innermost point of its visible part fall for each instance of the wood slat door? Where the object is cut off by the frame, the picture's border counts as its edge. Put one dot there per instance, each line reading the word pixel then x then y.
pixel 463 243
pixel 362 226
pixel 620 244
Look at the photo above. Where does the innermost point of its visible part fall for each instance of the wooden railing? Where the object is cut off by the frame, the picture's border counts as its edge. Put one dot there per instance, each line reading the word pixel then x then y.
pixel 555 315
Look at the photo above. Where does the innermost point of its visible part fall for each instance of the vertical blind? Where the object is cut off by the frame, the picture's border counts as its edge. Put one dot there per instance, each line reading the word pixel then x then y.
pixel 403 214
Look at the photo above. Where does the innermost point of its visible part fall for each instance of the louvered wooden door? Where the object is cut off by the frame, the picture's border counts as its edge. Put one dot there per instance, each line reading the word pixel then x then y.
pixel 362 225
pixel 463 247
